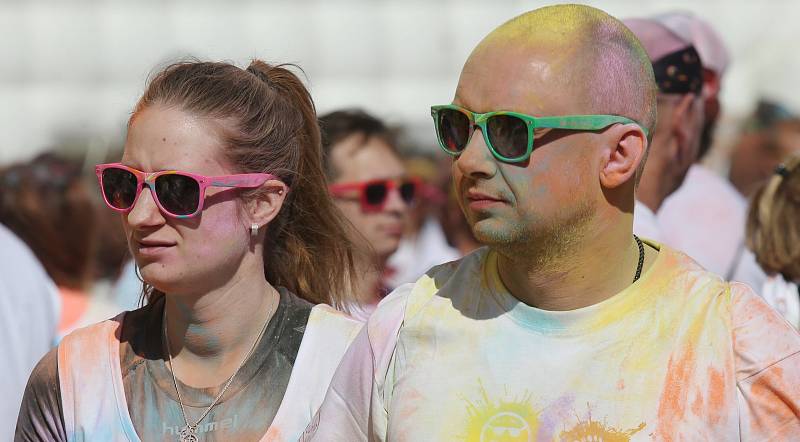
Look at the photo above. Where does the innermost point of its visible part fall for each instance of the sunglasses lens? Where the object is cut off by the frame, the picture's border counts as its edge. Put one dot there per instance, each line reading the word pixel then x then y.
pixel 408 191
pixel 508 135
pixel 375 194
pixel 178 194
pixel 453 129
pixel 119 187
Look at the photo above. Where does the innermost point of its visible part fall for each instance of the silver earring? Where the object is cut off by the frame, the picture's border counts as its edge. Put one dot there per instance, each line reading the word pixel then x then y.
pixel 254 230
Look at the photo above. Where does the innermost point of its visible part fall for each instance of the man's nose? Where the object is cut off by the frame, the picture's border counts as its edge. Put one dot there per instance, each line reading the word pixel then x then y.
pixel 395 201
pixel 476 159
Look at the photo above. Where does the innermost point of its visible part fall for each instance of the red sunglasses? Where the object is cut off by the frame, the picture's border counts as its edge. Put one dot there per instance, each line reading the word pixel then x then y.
pixel 373 194
pixel 177 194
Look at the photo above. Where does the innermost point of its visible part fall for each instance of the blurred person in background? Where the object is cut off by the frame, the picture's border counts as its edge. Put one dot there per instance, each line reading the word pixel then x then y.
pixel 47 203
pixel 424 243
pixel 29 315
pixel 371 187
pixel 679 77
pixel 705 217
pixel 773 233
pixel 224 205
pixel 769 136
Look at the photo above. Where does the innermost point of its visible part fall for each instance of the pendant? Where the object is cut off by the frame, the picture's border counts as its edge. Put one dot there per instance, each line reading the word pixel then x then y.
pixel 187 434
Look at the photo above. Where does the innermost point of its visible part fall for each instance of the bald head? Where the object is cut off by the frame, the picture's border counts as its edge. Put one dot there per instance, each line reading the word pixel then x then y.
pixel 589 59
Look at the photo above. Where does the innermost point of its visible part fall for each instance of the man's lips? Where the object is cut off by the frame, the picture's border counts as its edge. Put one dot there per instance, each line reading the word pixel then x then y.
pixel 479 200
pixel 474 195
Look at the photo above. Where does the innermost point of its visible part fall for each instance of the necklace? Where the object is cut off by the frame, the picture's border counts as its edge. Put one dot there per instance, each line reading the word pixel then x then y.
pixel 188 433
pixel 641 258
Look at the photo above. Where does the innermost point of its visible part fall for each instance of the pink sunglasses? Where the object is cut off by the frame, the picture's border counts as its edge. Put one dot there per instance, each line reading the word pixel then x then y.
pixel 373 194
pixel 177 194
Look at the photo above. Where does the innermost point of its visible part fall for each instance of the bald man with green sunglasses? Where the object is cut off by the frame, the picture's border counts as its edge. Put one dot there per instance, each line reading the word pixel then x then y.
pixel 565 326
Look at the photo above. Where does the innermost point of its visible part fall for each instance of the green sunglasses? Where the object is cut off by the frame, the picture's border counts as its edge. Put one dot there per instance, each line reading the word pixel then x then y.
pixel 509 135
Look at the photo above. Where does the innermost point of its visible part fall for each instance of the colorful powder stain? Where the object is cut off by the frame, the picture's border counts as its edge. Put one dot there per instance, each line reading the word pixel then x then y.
pixel 507 420
pixel 594 431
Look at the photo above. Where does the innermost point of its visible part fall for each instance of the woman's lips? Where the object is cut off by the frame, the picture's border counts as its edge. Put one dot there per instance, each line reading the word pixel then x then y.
pixel 152 248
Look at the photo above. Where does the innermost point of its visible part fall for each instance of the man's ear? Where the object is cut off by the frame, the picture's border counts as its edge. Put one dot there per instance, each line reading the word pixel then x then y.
pixel 265 207
pixel 622 159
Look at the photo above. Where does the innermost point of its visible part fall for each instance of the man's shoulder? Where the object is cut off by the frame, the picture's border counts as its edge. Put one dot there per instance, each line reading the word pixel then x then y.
pixel 680 262
pixel 689 281
pixel 468 263
pixel 438 282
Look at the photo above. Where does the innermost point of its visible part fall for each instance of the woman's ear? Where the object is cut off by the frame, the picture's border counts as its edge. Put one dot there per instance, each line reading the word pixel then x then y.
pixel 266 206
pixel 621 161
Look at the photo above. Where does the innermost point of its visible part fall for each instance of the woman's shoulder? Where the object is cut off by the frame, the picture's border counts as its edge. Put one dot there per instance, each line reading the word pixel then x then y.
pixel 44 377
pixel 40 414
pixel 301 312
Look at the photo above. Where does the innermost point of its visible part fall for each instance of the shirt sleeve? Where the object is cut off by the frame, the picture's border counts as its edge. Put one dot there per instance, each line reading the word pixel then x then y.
pixel 40 416
pixel 767 355
pixel 354 408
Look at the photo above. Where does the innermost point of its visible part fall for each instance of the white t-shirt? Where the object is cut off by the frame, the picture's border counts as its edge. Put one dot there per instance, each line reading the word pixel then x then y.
pixel 705 218
pixel 678 355
pixel 29 313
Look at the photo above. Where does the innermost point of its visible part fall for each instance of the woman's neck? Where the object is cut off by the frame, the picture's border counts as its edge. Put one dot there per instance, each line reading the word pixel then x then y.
pixel 210 334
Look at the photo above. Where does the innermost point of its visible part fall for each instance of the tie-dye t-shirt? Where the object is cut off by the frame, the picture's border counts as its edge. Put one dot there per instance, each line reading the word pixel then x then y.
pixel 678 355
pixel 244 412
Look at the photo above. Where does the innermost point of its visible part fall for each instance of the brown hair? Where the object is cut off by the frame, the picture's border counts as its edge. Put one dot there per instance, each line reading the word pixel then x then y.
pixel 773 230
pixel 48 205
pixel 269 124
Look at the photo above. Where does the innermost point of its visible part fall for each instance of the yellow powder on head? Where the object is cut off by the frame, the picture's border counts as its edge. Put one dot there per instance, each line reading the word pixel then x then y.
pixel 589 49
pixel 559 25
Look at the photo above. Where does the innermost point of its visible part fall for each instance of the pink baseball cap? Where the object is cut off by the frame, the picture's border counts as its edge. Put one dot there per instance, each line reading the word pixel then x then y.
pixel 713 53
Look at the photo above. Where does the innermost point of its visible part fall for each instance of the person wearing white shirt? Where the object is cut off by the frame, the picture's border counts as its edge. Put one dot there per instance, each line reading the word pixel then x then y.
pixel 678 74
pixel 29 312
pixel 705 216
pixel 773 234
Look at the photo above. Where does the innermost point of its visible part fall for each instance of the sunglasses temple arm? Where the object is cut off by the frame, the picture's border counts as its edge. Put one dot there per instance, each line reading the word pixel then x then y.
pixel 241 180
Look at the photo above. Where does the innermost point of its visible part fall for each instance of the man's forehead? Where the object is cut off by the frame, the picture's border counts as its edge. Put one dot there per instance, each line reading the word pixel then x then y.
pixel 533 79
pixel 358 157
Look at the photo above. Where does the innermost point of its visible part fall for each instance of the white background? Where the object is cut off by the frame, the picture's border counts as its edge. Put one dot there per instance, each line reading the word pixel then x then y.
pixel 70 71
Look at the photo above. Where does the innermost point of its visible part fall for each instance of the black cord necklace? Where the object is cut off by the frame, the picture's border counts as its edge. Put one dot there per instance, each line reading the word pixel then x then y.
pixel 641 258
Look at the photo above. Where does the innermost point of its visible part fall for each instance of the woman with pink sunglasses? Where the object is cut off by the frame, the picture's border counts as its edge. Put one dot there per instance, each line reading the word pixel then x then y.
pixel 224 203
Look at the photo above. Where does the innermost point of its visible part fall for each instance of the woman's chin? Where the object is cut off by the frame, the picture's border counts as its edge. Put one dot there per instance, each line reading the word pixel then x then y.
pixel 161 278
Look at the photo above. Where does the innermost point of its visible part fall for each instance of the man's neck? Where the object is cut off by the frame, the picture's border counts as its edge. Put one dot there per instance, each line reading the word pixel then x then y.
pixel 589 270
pixel 211 333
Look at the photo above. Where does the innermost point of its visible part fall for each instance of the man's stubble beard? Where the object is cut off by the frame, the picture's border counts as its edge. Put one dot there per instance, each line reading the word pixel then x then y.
pixel 542 243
